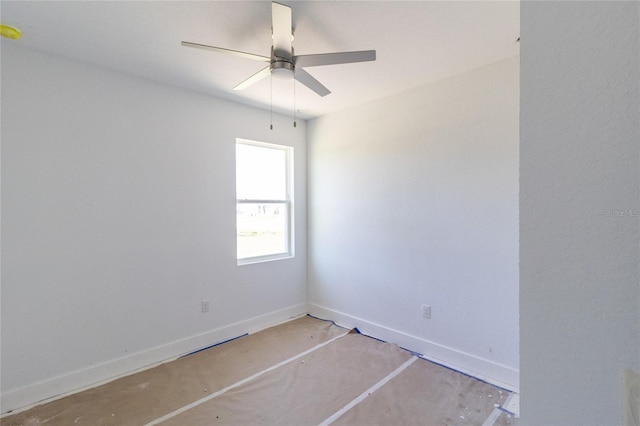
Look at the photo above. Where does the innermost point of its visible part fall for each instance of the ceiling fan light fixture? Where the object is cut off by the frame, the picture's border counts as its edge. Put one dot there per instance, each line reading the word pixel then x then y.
pixel 282 70
pixel 282 73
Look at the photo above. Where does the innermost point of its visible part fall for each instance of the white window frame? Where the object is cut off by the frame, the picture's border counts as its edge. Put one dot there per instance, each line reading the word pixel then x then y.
pixel 287 201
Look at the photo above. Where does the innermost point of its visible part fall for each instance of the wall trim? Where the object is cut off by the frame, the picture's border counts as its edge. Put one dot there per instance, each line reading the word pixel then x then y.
pixel 26 397
pixel 480 368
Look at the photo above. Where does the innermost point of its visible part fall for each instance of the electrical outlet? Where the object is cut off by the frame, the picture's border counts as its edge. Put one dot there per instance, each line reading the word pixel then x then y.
pixel 205 306
pixel 426 311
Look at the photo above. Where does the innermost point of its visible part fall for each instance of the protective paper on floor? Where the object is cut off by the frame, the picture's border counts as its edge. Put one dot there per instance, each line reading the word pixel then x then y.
pixel 148 395
pixel 306 391
pixel 427 394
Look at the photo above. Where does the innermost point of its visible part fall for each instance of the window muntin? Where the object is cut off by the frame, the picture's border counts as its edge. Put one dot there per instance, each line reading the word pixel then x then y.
pixel 264 228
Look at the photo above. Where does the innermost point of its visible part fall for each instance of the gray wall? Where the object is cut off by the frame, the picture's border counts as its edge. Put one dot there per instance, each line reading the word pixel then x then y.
pixel 118 218
pixel 413 199
pixel 579 210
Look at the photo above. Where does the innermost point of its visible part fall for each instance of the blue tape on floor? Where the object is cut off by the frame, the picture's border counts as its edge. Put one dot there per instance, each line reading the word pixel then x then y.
pixel 214 345
pixel 466 374
pixel 325 320
pixel 414 353
pixel 506 411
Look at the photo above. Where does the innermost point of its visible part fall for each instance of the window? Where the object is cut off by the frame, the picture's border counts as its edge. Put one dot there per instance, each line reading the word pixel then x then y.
pixel 264 206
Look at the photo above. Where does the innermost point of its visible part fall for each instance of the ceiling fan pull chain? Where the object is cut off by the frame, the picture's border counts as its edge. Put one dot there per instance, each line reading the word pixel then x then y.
pixel 294 82
pixel 271 101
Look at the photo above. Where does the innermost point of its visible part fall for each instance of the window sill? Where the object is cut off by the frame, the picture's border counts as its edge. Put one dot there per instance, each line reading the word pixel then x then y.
pixel 262 259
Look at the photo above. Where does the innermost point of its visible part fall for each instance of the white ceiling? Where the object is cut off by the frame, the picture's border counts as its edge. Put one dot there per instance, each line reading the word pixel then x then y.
pixel 416 42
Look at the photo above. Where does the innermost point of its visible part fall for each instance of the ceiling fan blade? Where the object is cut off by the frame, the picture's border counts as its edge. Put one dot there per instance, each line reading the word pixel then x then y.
pixel 307 79
pixel 264 72
pixel 334 58
pixel 281 28
pixel 227 51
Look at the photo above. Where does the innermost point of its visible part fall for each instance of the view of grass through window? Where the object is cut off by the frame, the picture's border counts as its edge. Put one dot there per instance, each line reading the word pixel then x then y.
pixel 263 209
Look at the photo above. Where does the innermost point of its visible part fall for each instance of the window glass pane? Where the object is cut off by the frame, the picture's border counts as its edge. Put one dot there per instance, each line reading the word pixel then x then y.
pixel 263 218
pixel 262 229
pixel 261 173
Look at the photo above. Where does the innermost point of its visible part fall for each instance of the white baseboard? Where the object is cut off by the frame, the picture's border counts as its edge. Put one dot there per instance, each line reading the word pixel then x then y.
pixel 483 369
pixel 24 398
pixel 61 386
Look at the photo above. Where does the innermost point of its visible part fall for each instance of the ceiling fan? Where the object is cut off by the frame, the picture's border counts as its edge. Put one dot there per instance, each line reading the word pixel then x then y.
pixel 282 62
